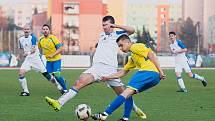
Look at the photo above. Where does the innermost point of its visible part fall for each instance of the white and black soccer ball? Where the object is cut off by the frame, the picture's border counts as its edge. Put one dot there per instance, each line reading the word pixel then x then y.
pixel 83 112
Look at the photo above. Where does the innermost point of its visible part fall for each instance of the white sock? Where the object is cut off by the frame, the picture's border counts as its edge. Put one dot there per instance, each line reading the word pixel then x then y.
pixel 23 84
pixel 196 76
pixel 181 83
pixel 58 85
pixel 67 96
pixel 134 107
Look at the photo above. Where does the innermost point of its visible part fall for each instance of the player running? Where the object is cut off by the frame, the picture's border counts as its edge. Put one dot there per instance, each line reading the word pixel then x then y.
pixel 52 48
pixel 181 62
pixel 149 75
pixel 104 63
pixel 28 43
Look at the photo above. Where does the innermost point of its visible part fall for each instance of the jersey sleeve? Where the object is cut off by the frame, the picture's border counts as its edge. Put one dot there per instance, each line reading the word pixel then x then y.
pixel 119 33
pixel 34 40
pixel 181 44
pixel 129 65
pixel 57 42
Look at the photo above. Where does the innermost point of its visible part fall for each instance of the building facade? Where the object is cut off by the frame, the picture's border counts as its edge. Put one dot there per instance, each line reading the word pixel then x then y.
pixel 77 22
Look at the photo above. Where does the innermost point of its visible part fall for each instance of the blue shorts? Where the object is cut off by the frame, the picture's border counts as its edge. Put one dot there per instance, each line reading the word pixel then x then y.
pixel 53 66
pixel 143 80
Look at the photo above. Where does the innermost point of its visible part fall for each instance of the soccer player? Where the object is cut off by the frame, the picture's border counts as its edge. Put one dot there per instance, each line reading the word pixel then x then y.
pixel 52 48
pixel 104 63
pixel 181 62
pixel 28 44
pixel 148 75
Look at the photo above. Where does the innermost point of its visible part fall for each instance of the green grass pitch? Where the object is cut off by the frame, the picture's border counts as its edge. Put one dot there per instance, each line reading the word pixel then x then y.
pixel 161 103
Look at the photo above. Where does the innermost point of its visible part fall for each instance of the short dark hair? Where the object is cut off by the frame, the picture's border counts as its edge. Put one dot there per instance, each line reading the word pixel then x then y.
pixel 47 26
pixel 111 18
pixel 172 32
pixel 122 37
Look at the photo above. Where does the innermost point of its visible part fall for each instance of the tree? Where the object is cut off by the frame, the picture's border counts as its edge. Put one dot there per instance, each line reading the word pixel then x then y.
pixel 188 34
pixel 145 38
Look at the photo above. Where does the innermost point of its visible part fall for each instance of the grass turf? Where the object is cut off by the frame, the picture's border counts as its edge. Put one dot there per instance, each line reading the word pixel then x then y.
pixel 161 103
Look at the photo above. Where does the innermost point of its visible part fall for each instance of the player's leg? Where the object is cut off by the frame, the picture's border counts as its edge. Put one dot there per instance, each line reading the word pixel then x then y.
pixel 22 79
pixel 84 80
pixel 118 101
pixel 118 88
pixel 56 65
pixel 38 65
pixel 178 71
pixel 195 76
pixel 140 81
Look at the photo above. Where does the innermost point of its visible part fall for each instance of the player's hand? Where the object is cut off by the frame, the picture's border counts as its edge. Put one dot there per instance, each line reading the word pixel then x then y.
pixel 50 56
pixel 103 78
pixel 18 58
pixel 162 75
pixel 112 25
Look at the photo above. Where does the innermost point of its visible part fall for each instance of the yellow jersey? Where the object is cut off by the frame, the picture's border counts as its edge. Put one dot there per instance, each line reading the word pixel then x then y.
pixel 139 58
pixel 49 45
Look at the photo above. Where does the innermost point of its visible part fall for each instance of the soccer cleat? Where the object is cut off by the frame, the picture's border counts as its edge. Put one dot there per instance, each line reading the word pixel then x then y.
pixel 54 103
pixel 140 113
pixel 99 116
pixel 123 119
pixel 204 82
pixel 24 94
pixel 182 90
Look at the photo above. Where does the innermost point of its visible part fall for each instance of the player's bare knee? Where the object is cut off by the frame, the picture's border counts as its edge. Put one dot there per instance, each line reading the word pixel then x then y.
pixel 190 75
pixel 128 92
pixel 22 73
pixel 118 89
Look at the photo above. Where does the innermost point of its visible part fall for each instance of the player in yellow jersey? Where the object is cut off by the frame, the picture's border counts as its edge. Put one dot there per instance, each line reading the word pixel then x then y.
pixel 149 75
pixel 52 48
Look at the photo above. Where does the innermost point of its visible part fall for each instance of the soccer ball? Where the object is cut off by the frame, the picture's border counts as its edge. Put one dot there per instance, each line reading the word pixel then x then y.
pixel 83 112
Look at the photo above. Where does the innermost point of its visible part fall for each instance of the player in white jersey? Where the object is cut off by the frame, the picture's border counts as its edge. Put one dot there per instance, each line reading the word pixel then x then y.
pixel 181 62
pixel 28 46
pixel 104 63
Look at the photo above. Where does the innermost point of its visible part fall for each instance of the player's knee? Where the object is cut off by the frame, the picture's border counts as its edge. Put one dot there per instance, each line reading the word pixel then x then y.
pixel 190 75
pixel 22 73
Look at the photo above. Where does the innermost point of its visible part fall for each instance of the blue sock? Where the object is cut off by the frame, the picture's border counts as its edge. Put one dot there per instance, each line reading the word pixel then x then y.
pixel 61 81
pixel 119 100
pixel 128 107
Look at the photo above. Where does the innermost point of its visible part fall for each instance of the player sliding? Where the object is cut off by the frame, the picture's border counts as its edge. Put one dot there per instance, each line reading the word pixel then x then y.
pixel 181 62
pixel 104 63
pixel 149 75
pixel 28 43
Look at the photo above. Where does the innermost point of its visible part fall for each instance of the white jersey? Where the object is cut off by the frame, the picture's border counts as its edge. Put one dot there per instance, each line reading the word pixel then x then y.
pixel 27 44
pixel 179 57
pixel 106 51
pixel 32 61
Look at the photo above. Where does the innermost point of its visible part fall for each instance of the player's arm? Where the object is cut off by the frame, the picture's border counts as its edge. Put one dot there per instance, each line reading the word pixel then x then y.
pixel 181 50
pixel 34 43
pixel 59 47
pixel 152 56
pixel 58 51
pixel 128 29
pixel 117 75
pixel 182 46
pixel 129 66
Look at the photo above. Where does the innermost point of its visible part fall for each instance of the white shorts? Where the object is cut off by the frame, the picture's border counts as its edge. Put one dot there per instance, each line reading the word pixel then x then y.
pixel 182 65
pixel 98 70
pixel 33 63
